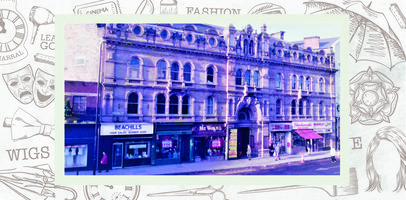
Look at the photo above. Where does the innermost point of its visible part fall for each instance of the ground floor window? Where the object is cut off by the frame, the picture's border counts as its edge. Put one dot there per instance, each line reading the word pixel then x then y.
pixel 209 146
pixel 135 150
pixel 76 156
pixel 168 147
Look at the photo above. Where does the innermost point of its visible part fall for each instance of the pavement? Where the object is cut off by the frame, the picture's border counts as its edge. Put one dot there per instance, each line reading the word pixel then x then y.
pixel 207 165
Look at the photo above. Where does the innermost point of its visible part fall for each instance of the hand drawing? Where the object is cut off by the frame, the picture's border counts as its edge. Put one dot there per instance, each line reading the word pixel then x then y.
pixel 44 59
pixel 169 7
pixel 371 37
pixel 398 139
pixel 267 8
pixel 40 16
pixel 20 84
pixel 43 88
pixel 397 13
pixel 351 189
pixel 128 192
pixel 35 182
pixel 373 97
pixel 23 126
pixel 145 7
pixel 13 33
pixel 209 191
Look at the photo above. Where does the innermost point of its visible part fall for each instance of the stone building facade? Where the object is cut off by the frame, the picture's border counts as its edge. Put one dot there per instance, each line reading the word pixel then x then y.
pixel 187 78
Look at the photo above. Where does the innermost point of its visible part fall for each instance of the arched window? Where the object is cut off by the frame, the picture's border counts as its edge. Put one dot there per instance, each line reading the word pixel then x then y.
pixel 160 104
pixel 278 107
pixel 185 105
pixel 321 82
pixel 245 47
pixel 247 77
pixel 210 75
pixel 294 82
pixel 244 114
pixel 187 72
pixel 134 68
pixel 107 101
pixel 173 104
pixel 132 107
pixel 293 111
pixel 301 83
pixel 278 80
pixel 321 109
pixel 238 77
pixel 161 70
pixel 251 48
pixel 308 108
pixel 308 83
pixel 301 107
pixel 209 105
pixel 175 71
pixel 256 78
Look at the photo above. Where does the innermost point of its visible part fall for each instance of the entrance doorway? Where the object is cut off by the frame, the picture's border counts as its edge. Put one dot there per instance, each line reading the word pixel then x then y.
pixel 117 155
pixel 243 136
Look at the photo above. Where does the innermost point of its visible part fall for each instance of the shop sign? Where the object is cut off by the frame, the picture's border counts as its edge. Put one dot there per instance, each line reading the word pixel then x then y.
pixel 167 144
pixel 210 129
pixel 216 143
pixel 302 125
pixel 232 146
pixel 323 130
pixel 280 127
pixel 323 125
pixel 126 129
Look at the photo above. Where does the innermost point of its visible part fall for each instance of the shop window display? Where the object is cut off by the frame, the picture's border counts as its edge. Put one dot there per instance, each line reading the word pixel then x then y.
pixel 168 147
pixel 75 156
pixel 135 150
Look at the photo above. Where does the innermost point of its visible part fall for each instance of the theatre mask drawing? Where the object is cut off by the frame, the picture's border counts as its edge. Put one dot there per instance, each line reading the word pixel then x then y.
pixel 154 95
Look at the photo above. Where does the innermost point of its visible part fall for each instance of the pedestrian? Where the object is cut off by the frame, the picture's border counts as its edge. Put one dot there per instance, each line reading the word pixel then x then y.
pixel 249 152
pixel 271 150
pixel 308 148
pixel 277 149
pixel 333 154
pixel 103 163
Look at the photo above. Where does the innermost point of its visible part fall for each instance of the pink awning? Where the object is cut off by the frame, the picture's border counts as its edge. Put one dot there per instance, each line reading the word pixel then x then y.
pixel 308 134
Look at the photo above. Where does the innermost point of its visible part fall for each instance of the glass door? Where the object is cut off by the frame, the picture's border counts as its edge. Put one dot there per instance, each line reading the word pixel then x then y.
pixel 117 155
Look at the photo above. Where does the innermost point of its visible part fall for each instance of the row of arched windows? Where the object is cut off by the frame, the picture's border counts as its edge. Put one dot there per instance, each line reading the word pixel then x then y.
pixel 301 106
pixel 133 104
pixel 247 78
pixel 176 73
pixel 302 83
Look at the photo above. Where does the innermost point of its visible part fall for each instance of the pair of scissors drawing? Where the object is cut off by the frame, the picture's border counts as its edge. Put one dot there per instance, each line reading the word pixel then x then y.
pixel 210 191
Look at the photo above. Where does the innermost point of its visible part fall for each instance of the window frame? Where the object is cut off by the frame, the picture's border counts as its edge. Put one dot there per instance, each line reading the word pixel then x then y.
pixel 158 104
pixel 158 70
pixel 208 105
pixel 173 64
pixel 130 68
pixel 137 103
pixel 82 108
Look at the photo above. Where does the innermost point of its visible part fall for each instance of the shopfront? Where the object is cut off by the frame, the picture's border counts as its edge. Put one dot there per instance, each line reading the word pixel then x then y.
pixel 127 144
pixel 325 129
pixel 303 134
pixel 173 143
pixel 79 145
pixel 281 133
pixel 209 141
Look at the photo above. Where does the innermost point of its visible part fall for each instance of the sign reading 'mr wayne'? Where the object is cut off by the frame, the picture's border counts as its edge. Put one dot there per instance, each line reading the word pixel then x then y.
pixel 126 129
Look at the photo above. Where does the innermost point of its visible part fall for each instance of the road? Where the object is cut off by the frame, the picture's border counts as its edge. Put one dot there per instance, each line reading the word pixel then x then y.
pixel 314 167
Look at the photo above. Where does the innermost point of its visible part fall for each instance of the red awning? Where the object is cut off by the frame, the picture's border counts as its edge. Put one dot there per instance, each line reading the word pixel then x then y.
pixel 308 134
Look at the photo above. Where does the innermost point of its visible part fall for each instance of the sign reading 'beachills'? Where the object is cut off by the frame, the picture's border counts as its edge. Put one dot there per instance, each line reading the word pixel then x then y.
pixel 126 129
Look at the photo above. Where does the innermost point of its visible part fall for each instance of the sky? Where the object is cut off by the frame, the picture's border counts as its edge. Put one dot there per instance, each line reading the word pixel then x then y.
pixel 296 32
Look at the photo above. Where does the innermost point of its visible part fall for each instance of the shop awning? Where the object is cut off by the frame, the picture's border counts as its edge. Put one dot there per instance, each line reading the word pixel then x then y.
pixel 308 134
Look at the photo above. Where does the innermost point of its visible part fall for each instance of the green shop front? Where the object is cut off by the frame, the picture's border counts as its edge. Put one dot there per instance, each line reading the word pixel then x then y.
pixel 173 143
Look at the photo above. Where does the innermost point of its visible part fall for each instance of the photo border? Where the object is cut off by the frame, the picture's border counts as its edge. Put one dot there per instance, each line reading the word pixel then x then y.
pixel 342 179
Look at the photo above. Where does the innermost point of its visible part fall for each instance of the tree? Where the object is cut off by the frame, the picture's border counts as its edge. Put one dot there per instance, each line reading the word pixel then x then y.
pixel 68 109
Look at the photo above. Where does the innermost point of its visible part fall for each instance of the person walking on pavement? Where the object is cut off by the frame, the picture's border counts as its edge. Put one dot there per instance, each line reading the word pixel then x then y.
pixel 277 149
pixel 271 150
pixel 309 148
pixel 333 154
pixel 249 152
pixel 103 163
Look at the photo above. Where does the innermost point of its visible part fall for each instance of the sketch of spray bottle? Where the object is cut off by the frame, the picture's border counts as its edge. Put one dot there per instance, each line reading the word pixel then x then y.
pixel 23 126
pixel 169 7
